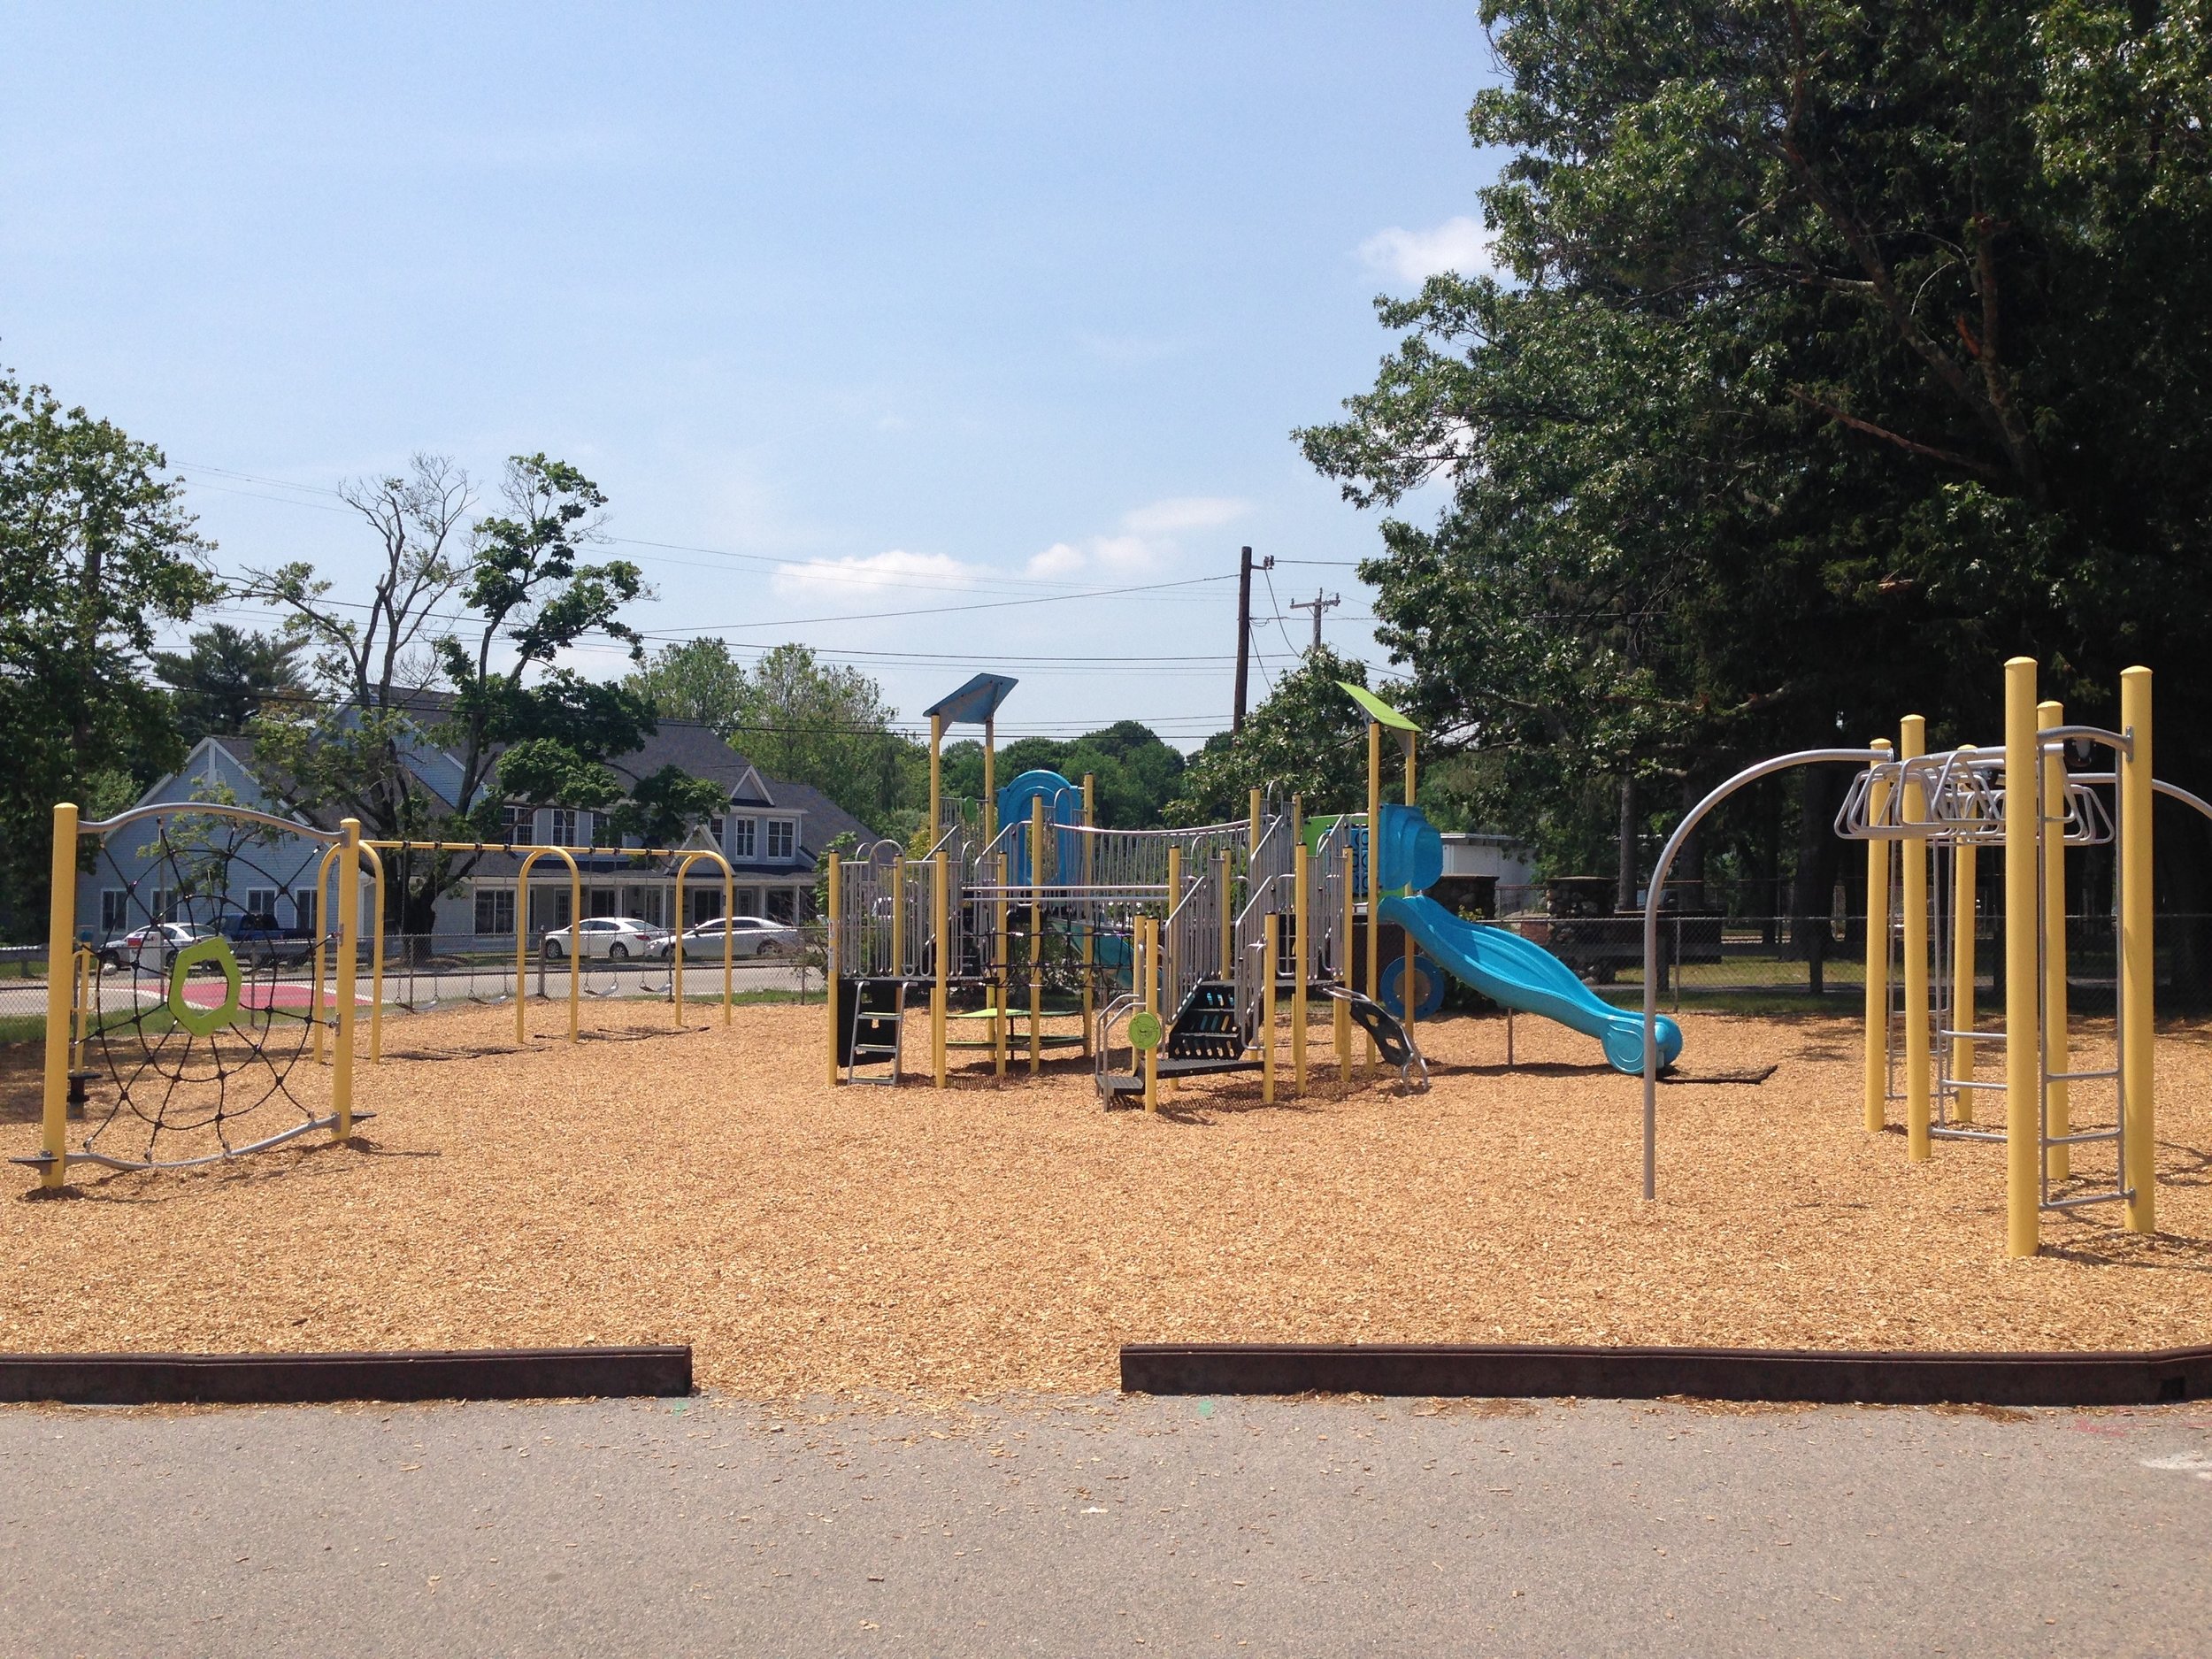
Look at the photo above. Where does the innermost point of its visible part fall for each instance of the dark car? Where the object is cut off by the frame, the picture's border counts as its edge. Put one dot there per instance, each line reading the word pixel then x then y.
pixel 261 942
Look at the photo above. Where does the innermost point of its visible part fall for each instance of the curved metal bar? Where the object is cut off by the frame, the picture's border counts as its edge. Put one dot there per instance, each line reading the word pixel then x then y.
pixel 2174 792
pixel 1749 774
pixel 522 939
pixel 729 937
pixel 170 808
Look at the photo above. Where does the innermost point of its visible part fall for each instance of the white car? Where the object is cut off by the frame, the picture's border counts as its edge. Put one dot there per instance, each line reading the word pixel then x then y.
pixel 614 936
pixel 749 936
pixel 150 947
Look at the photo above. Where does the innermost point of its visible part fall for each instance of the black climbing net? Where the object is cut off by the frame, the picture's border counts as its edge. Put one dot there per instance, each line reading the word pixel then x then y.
pixel 195 1029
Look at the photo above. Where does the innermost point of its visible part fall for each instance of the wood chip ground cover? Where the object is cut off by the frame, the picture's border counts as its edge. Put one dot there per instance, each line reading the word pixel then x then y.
pixel 708 1186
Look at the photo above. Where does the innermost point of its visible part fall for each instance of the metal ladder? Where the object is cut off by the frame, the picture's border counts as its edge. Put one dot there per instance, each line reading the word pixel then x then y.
pixel 878 1015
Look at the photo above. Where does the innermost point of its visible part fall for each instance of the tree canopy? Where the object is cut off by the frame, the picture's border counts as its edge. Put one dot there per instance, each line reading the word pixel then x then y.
pixel 218 685
pixel 1844 351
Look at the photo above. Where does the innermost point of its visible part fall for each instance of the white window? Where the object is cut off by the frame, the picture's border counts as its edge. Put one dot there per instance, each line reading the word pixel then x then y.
pixel 779 838
pixel 115 910
pixel 261 903
pixel 494 910
pixel 741 832
pixel 561 827
pixel 715 828
pixel 522 829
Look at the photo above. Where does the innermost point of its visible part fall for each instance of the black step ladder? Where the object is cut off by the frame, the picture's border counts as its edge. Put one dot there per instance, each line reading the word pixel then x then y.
pixel 871 1020
pixel 1392 1041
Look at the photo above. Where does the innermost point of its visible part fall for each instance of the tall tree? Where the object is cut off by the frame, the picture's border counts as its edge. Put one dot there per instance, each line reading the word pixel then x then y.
pixel 1848 350
pixel 492 691
pixel 97 552
pixel 1307 738
pixel 219 684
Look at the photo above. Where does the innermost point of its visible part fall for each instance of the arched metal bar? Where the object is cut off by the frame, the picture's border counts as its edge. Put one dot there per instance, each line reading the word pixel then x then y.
pixel 2174 792
pixel 1749 774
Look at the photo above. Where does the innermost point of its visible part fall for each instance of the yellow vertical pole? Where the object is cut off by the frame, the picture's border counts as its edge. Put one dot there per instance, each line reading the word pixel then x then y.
pixel 1001 971
pixel 322 932
pixel 1912 743
pixel 2137 969
pixel 729 938
pixel 1298 920
pixel 1090 912
pixel 2058 1161
pixel 1411 988
pixel 522 947
pixel 1373 987
pixel 936 782
pixel 1255 803
pixel 1964 877
pixel 1877 1081
pixel 833 941
pixel 941 930
pixel 348 949
pixel 1341 1018
pixel 1036 933
pixel 1148 947
pixel 990 778
pixel 1271 934
pixel 61 937
pixel 898 914
pixel 2022 1041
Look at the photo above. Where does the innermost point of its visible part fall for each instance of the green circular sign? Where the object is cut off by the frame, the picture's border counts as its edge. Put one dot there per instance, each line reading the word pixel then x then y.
pixel 204 1022
pixel 1145 1031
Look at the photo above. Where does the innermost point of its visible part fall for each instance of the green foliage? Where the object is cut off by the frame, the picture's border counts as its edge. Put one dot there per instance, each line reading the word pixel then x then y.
pixel 1306 739
pixel 97 552
pixel 1848 351
pixel 1133 773
pixel 221 683
pixel 797 717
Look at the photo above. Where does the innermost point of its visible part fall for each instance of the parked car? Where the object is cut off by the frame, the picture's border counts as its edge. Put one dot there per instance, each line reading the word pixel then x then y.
pixel 614 936
pixel 151 948
pixel 259 940
pixel 749 936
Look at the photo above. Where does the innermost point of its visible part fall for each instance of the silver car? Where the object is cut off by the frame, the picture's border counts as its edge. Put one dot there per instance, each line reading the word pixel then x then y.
pixel 612 936
pixel 749 936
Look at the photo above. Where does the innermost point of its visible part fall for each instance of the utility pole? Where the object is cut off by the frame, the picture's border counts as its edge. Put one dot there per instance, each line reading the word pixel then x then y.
pixel 1319 603
pixel 1244 630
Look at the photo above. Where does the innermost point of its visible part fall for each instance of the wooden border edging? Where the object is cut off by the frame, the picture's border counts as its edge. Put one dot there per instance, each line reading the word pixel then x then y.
pixel 530 1373
pixel 1814 1377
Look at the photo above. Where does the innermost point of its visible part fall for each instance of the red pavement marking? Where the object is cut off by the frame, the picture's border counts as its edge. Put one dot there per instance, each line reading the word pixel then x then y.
pixel 210 995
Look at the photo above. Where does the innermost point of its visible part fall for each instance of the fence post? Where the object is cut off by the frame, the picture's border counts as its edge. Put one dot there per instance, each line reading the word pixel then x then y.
pixel 61 984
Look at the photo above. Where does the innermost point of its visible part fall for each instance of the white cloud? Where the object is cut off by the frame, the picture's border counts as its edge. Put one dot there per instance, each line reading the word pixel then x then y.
pixel 1186 512
pixel 847 577
pixel 1059 559
pixel 1459 244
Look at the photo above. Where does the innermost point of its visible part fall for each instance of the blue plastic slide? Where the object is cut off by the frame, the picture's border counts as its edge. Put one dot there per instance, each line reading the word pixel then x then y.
pixel 1522 975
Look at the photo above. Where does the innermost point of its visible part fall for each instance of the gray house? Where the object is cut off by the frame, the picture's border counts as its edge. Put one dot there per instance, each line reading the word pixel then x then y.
pixel 772 833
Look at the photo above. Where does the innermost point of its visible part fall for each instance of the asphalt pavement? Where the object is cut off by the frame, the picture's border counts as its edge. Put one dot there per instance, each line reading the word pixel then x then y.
pixel 722 1527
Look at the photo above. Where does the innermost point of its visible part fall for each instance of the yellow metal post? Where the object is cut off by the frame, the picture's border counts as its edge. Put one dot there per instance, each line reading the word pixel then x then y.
pixel 1036 933
pixel 2022 1041
pixel 1877 1081
pixel 1963 968
pixel 1912 743
pixel 832 927
pixel 1148 947
pixel 1270 934
pixel 990 778
pixel 1341 1016
pixel 940 929
pixel 2058 1112
pixel 1298 920
pixel 676 947
pixel 348 951
pixel 575 940
pixel 729 938
pixel 1255 803
pixel 61 935
pixel 1373 986
pixel 2137 974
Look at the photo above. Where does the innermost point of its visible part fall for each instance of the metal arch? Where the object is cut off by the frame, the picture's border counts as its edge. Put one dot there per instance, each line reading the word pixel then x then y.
pixel 210 808
pixel 1749 774
pixel 2174 792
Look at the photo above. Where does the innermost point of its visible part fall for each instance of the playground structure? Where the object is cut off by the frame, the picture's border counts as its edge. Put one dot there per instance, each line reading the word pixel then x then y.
pixel 1176 952
pixel 1926 818
pixel 165 1060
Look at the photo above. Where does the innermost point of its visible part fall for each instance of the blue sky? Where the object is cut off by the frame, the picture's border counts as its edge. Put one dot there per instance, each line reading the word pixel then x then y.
pixel 860 309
